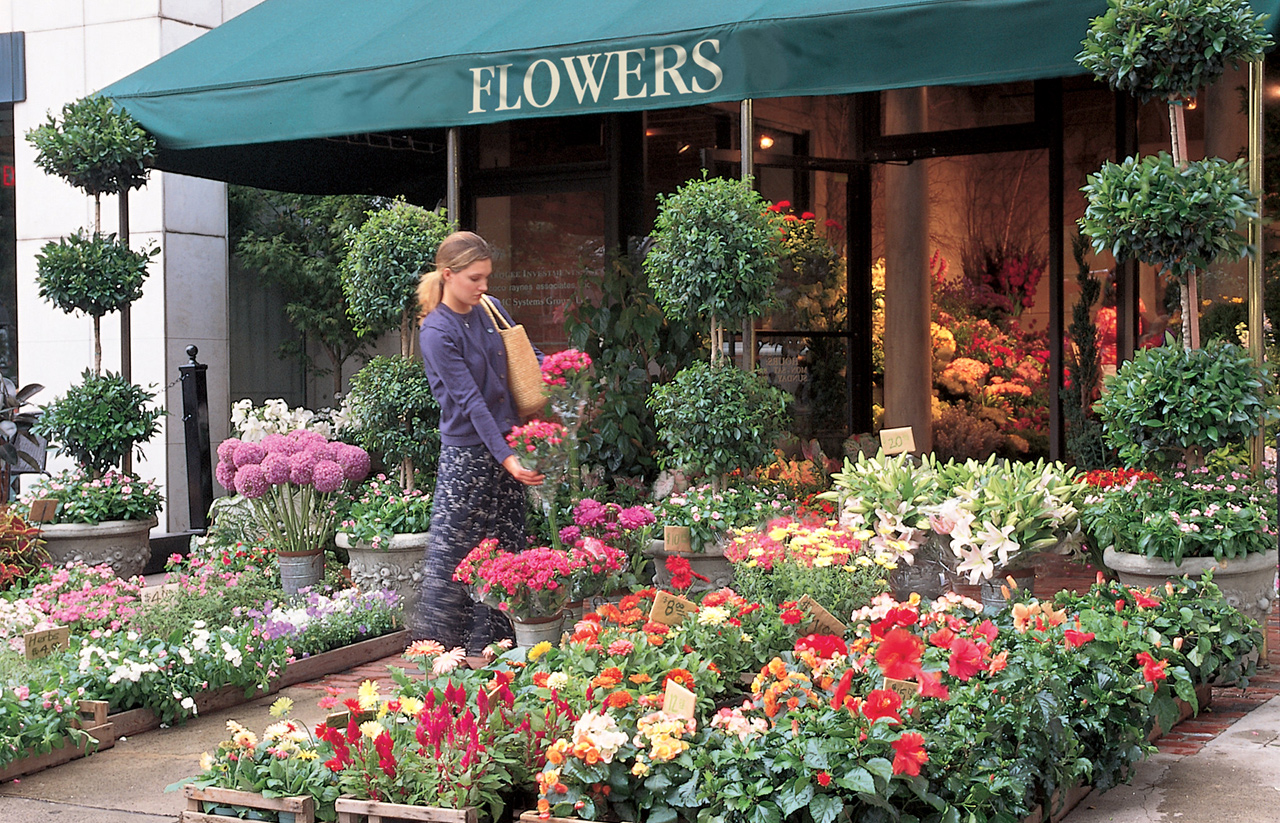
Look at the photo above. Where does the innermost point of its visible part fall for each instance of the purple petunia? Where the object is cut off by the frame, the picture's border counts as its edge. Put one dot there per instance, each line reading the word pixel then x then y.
pixel 326 476
pixel 250 481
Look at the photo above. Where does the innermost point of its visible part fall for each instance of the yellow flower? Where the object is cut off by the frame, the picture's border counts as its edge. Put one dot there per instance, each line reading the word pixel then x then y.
pixel 371 729
pixel 306 754
pixel 281 707
pixel 539 650
pixel 245 739
pixel 410 705
pixel 206 762
pixel 368 695
pixel 640 769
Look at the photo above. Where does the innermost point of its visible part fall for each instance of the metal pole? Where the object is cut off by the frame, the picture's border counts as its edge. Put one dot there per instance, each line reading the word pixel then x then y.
pixel 453 172
pixel 195 420
pixel 747 131
pixel 1256 347
pixel 126 323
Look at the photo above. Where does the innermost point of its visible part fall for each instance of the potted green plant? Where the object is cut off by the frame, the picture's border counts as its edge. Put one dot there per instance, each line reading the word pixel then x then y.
pixel 104 515
pixel 385 533
pixel 19 448
pixel 391 413
pixel 1164 210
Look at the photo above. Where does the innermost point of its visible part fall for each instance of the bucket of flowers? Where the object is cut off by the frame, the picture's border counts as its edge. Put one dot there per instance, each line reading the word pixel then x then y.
pixel 531 587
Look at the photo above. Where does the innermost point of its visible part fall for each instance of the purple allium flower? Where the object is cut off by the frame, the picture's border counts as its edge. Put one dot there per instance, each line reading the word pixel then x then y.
pixel 300 468
pixel 227 447
pixel 250 481
pixel 225 472
pixel 279 444
pixel 635 517
pixel 247 454
pixel 275 468
pixel 589 513
pixel 305 438
pixel 324 450
pixel 327 476
pixel 353 460
pixel 569 534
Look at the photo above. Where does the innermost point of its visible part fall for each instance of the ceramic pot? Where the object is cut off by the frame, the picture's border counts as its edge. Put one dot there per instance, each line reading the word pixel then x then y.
pixel 124 545
pixel 397 566
pixel 1248 583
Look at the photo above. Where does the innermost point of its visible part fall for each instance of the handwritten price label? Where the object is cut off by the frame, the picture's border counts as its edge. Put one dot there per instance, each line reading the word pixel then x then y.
pixel 905 688
pixel 676 539
pixel 46 642
pixel 670 610
pixel 897 441
pixel 820 619
pixel 678 700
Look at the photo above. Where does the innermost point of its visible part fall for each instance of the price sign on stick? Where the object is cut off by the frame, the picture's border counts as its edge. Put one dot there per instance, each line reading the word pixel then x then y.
pixel 820 619
pixel 678 700
pixel 670 610
pixel 42 511
pixel 897 441
pixel 676 538
pixel 46 642
pixel 905 688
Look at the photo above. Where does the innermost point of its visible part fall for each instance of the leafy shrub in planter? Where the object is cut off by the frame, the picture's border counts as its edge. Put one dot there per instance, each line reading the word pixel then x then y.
pixel 715 420
pixel 1170 403
pixel 393 415
pixel 100 421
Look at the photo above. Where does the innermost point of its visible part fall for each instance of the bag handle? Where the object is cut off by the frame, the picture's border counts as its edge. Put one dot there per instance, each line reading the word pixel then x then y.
pixel 499 321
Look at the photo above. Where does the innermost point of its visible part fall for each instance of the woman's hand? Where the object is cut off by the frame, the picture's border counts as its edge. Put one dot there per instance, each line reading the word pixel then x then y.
pixel 529 477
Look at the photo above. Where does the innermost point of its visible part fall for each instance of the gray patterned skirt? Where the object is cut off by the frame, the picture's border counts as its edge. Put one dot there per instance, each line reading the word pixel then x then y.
pixel 475 498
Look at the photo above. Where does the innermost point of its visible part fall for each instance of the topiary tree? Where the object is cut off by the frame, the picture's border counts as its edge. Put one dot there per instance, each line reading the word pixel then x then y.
pixel 95 274
pixel 385 258
pixel 394 415
pixel 100 421
pixel 715 254
pixel 1170 49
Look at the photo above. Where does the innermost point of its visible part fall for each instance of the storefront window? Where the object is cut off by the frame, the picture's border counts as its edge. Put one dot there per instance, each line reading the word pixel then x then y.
pixel 541 142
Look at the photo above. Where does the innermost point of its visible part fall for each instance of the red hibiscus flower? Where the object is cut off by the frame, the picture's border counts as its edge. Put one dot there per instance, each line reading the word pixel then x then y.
pixel 823 645
pixel 942 638
pixel 1143 599
pixel 931 685
pixel 988 630
pixel 1152 670
pixel 842 690
pixel 999 662
pixel 909 754
pixel 1076 639
pixel 966 659
pixel 899 654
pixel 882 703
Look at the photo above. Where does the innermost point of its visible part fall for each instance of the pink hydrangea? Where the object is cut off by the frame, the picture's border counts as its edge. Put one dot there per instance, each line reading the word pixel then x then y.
pixel 250 481
pixel 327 476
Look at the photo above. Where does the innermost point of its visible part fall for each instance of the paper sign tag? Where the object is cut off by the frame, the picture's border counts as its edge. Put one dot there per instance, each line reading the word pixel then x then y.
pixel 339 720
pixel 897 441
pixel 676 539
pixel 905 688
pixel 46 642
pixel 42 511
pixel 678 700
pixel 670 610
pixel 821 619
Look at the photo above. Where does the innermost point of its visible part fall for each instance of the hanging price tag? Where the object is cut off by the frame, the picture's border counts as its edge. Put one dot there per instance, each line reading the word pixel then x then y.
pixel 678 700
pixel 46 642
pixel 670 610
pixel 821 620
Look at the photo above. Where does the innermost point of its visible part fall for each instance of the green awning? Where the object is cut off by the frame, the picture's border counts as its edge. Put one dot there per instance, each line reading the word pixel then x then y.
pixel 294 70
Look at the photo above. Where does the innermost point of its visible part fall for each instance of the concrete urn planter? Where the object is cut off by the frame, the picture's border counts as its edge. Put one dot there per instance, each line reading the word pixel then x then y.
pixel 397 567
pixel 124 545
pixel 1248 583
pixel 711 564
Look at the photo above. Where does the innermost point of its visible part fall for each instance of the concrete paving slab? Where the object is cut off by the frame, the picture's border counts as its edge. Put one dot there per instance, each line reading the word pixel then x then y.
pixel 20 810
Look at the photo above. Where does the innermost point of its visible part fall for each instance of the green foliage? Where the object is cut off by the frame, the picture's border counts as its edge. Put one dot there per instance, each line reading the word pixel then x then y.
pixel 617 322
pixel 297 242
pixel 715 251
pixel 1171 48
pixel 1084 432
pixel 1180 218
pixel 386 257
pixel 1167 401
pixel 99 421
pixel 381 510
pixel 96 274
pixel 96 147
pixel 714 420
pixel 15 424
pixel 393 414
pixel 85 498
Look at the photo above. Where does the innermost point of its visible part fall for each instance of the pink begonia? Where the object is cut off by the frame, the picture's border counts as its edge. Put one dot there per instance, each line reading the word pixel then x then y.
pixel 248 454
pixel 275 468
pixel 250 481
pixel 327 476
pixel 225 473
pixel 227 447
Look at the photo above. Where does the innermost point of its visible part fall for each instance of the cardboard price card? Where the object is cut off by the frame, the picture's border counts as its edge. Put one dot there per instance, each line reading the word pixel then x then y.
pixel 905 688
pixel 677 539
pixel 670 610
pixel 43 510
pixel 820 619
pixel 678 700
pixel 46 642
pixel 897 441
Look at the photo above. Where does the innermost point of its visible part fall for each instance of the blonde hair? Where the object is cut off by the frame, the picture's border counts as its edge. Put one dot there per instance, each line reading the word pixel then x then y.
pixel 456 252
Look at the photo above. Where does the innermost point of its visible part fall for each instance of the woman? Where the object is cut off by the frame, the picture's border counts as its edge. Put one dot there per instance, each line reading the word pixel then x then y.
pixel 480 482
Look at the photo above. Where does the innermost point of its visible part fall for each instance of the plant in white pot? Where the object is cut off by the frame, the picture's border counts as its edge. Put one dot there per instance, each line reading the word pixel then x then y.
pixel 385 534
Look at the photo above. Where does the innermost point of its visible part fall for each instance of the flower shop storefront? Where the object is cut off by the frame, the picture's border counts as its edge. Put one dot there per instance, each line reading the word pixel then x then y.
pixel 915 163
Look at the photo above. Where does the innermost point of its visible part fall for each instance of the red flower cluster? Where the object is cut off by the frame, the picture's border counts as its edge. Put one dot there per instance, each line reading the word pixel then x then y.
pixel 682 573
pixel 1106 478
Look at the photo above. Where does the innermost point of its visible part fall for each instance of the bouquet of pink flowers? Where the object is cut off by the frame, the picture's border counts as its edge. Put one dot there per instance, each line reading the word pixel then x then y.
pixel 526 585
pixel 540 445
pixel 596 566
pixel 291 481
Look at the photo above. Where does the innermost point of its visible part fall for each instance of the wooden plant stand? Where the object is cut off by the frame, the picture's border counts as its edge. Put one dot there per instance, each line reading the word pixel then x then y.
pixel 300 809
pixel 91 718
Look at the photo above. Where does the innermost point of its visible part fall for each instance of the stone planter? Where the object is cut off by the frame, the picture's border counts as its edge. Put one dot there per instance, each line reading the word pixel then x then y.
pixel 1248 583
pixel 124 545
pixel 397 567
pixel 711 564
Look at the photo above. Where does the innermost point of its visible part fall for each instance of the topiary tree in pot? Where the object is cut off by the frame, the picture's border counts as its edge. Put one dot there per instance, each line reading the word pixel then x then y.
pixel 386 256
pixel 100 421
pixel 1163 210
pixel 393 415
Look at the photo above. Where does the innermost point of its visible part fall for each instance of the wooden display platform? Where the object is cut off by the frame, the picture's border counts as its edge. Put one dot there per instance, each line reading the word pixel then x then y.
pixel 351 810
pixel 91 719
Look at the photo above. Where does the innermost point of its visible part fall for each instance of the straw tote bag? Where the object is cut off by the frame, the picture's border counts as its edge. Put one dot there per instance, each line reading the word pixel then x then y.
pixel 524 375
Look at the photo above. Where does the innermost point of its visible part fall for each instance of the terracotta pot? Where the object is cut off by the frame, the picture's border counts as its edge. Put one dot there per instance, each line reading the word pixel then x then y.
pixel 397 566
pixel 124 545
pixel 1248 583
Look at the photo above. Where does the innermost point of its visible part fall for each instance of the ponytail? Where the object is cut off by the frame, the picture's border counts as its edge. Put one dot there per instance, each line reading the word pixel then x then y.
pixel 456 252
pixel 430 292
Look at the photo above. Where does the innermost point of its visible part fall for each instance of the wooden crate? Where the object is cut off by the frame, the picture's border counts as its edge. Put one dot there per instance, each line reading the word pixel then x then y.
pixel 289 809
pixel 532 817
pixel 91 719
pixel 351 810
